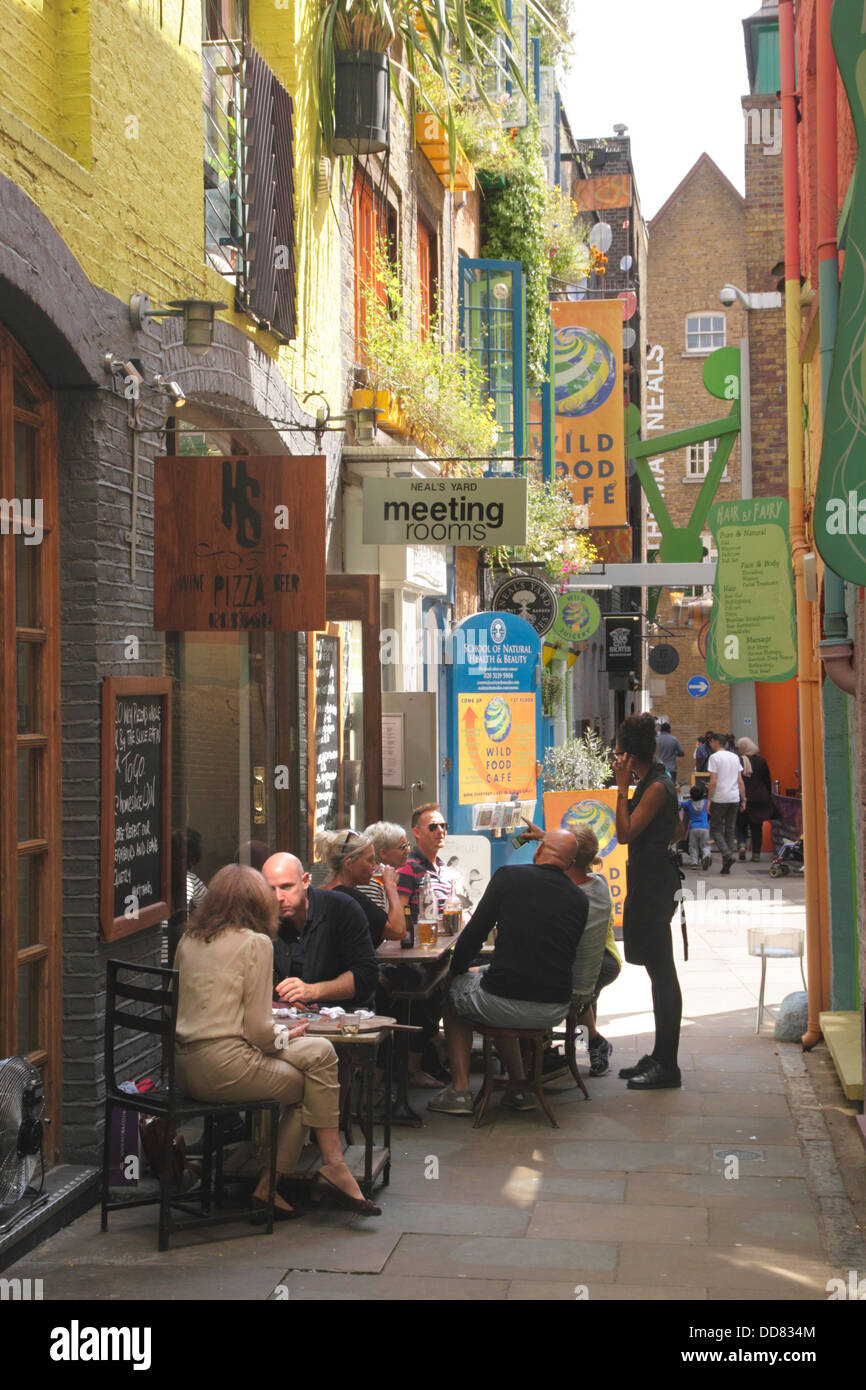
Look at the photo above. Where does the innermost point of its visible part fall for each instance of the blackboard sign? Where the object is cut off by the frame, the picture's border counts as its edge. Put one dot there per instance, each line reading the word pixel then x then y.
pixel 136 742
pixel 327 735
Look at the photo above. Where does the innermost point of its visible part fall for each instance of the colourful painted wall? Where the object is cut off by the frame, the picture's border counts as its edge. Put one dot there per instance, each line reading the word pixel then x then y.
pixel 101 125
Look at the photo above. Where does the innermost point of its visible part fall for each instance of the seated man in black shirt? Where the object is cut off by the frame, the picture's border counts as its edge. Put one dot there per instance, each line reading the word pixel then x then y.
pixel 322 951
pixel 540 915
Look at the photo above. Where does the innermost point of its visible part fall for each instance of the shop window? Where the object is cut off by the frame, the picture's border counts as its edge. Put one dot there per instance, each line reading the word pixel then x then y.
pixel 29 724
pixel 375 228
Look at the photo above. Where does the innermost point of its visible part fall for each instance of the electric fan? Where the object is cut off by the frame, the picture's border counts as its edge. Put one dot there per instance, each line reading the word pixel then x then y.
pixel 22 1111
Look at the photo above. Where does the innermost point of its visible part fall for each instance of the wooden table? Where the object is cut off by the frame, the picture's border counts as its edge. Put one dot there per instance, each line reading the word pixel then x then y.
pixel 413 975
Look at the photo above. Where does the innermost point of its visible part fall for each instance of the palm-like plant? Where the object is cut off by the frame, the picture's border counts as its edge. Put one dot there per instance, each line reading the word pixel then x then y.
pixel 445 37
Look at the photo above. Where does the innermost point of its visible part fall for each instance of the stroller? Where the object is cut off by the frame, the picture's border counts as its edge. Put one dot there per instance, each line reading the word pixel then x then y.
pixel 789 859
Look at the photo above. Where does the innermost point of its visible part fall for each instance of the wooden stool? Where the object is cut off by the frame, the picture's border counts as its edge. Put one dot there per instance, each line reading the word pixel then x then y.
pixel 536 1037
pixel 570 1052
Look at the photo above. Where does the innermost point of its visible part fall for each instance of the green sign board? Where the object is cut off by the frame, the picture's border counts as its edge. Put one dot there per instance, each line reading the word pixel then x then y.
pixel 578 617
pixel 753 634
pixel 840 497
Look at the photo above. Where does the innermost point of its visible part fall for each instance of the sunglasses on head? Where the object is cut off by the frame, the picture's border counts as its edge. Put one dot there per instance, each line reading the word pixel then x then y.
pixel 349 834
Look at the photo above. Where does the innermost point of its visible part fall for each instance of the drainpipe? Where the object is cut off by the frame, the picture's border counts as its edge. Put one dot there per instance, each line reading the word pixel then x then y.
pixel 809 694
pixel 837 651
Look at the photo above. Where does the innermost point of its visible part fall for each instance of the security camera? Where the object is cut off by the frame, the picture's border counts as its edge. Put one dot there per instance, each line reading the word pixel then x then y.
pixel 728 294
pixel 118 367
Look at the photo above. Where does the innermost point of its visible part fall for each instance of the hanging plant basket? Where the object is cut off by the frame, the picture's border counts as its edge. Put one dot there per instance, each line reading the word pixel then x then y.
pixel 362 98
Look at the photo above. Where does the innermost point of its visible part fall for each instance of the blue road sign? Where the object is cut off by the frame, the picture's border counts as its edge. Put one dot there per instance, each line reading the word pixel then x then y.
pixel 698 686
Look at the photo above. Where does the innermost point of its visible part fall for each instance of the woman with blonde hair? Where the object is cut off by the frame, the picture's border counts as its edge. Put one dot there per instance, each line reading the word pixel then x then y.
pixel 351 860
pixel 230 1049
pixel 759 794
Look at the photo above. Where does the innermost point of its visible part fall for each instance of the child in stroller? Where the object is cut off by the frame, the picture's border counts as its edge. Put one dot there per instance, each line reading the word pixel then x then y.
pixel 789 859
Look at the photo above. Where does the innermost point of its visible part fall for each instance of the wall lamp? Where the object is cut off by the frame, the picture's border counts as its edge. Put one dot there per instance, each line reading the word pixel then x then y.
pixel 197 314
pixel 171 389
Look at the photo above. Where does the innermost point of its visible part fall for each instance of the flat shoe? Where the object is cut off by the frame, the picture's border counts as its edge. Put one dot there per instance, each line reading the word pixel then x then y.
pixel 280 1213
pixel 656 1078
pixel 637 1070
pixel 362 1205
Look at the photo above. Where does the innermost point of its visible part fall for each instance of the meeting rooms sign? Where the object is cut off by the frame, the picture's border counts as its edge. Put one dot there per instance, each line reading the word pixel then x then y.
pixel 445 511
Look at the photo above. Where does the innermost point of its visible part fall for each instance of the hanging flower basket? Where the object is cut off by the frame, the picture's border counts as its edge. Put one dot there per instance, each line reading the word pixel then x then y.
pixel 362 97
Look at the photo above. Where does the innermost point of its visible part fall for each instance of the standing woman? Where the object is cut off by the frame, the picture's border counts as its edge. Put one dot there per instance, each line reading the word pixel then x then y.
pixel 648 824
pixel 759 793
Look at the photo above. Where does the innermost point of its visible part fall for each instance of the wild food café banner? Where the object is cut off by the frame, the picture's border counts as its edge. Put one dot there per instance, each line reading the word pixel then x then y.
pixel 445 511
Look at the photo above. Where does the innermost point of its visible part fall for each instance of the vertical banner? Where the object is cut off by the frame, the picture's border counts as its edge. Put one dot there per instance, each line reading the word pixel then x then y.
pixel 597 809
pixel 753 626
pixel 590 433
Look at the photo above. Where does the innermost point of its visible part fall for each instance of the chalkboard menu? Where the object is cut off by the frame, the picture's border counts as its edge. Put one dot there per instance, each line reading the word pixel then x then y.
pixel 325 786
pixel 136 742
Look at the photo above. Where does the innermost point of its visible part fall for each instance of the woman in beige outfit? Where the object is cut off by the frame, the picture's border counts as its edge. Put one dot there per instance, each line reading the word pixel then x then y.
pixel 230 1049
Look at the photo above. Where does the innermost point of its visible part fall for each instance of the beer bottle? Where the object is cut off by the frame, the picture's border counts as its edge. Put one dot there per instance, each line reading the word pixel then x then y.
pixel 408 941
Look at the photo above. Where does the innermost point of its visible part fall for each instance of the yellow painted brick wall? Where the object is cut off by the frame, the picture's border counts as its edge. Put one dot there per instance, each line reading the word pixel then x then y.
pixel 101 124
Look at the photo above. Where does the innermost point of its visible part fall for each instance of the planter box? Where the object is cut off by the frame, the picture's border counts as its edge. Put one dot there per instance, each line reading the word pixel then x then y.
pixel 432 136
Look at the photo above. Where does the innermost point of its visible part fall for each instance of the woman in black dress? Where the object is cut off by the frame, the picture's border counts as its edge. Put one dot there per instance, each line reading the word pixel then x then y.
pixel 759 794
pixel 648 824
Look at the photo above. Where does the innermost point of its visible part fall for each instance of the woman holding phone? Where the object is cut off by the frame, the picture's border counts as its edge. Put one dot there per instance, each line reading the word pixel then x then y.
pixel 649 824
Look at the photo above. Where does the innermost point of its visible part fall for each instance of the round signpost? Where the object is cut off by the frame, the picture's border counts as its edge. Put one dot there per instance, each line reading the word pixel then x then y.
pixel 529 598
pixel 698 686
pixel 664 659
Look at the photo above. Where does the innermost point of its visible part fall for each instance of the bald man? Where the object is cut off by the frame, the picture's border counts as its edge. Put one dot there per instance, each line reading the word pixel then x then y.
pixel 540 916
pixel 323 953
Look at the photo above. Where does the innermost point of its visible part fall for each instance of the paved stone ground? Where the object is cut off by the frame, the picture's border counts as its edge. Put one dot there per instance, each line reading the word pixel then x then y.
pixel 632 1198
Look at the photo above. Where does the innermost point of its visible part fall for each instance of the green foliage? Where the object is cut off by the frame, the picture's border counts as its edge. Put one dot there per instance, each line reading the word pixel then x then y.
pixel 568 251
pixel 441 37
pixel 581 764
pixel 514 228
pixel 439 389
pixel 551 539
pixel 552 686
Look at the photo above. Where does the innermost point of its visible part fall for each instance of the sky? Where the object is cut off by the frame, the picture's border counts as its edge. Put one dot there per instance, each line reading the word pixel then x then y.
pixel 673 71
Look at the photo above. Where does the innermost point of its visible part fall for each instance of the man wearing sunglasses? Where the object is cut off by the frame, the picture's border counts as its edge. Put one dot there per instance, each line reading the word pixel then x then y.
pixel 429 828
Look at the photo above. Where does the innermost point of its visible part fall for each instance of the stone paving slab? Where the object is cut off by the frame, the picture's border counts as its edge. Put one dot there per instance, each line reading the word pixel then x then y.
pixel 553 1292
pixel 747 1192
pixel 618 1222
pixel 711 1267
pixel 305 1288
pixel 784 1230
pixel 451 1218
pixel 634 1157
pixel 730 1129
pixel 492 1258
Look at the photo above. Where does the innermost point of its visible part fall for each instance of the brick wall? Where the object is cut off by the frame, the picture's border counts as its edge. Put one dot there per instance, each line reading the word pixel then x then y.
pixel 697 243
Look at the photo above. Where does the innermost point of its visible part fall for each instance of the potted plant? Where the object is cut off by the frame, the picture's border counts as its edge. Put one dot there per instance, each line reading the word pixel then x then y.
pixel 353 37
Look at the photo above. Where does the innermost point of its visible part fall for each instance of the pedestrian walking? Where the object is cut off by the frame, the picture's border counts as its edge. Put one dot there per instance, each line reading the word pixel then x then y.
pixel 727 794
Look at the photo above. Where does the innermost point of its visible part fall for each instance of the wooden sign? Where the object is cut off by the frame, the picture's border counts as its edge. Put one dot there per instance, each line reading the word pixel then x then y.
pixel 136 804
pixel 239 544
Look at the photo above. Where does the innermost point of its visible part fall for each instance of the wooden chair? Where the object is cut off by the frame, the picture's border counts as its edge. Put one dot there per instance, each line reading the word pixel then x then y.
pixel 571 1051
pixel 156 989
pixel 532 1041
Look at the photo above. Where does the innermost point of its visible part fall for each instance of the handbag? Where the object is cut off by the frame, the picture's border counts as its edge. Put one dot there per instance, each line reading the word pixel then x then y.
pixel 153 1131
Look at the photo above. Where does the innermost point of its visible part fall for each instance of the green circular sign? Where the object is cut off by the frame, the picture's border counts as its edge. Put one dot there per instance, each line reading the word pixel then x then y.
pixel 578 617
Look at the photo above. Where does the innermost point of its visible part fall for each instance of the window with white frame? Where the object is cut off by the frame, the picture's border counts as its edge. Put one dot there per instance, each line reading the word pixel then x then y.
pixel 704 332
pixel 699 457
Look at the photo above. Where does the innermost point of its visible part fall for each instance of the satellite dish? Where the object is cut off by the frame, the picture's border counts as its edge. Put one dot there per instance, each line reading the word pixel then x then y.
pixel 601 236
pixel 619 130
pixel 626 263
